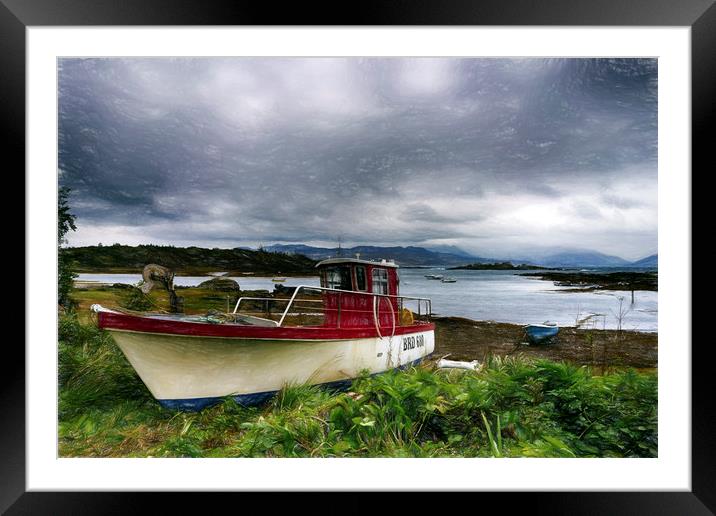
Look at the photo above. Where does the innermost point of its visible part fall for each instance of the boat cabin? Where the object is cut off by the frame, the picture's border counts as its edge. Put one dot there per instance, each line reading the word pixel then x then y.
pixel 359 275
pixel 370 287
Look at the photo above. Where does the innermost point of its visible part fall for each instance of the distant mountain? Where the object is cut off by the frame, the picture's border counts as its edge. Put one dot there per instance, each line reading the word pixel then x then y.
pixel 449 249
pixel 405 256
pixel 649 261
pixel 454 256
pixel 584 259
pixel 574 258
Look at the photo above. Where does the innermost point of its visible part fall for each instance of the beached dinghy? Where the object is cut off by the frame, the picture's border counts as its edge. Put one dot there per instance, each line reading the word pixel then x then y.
pixel 356 321
pixel 541 333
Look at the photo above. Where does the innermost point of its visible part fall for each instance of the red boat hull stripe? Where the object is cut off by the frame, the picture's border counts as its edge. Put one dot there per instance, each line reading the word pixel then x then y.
pixel 125 322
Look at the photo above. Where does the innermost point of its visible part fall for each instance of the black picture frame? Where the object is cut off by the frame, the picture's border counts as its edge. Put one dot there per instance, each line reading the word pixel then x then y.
pixel 700 15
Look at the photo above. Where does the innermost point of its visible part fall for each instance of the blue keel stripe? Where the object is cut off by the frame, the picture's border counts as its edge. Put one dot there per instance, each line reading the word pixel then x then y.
pixel 256 398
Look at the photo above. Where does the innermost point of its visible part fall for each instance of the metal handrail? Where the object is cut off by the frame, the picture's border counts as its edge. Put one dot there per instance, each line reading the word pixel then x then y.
pixel 246 298
pixel 428 301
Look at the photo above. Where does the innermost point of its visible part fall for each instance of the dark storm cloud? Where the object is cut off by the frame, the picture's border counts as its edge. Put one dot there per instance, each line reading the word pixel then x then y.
pixel 402 151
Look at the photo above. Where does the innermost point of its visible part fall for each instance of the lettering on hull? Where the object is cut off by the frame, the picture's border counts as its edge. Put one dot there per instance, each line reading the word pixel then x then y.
pixel 413 341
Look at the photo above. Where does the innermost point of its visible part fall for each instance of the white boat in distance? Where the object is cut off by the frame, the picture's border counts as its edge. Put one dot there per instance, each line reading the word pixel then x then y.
pixel 356 321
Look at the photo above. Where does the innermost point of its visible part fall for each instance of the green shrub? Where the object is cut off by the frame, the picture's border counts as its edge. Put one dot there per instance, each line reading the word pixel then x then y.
pixel 136 300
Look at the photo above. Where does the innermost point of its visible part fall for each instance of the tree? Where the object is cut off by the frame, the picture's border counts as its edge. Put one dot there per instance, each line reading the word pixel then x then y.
pixel 65 223
pixel 65 218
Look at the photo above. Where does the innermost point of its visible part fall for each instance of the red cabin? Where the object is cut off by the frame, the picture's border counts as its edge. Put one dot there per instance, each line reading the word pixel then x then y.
pixel 368 292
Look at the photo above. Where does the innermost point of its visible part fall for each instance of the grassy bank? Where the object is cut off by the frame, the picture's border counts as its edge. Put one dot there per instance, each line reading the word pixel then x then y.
pixel 197 300
pixel 513 407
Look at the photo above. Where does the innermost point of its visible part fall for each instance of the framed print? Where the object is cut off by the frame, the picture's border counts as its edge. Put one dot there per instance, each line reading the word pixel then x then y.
pixel 241 195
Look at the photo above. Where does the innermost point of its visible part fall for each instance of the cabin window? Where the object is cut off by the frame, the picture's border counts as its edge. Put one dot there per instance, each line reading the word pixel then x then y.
pixel 360 278
pixel 338 277
pixel 380 281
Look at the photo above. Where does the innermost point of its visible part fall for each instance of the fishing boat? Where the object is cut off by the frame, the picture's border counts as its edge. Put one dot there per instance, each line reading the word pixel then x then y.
pixel 448 280
pixel 541 333
pixel 355 322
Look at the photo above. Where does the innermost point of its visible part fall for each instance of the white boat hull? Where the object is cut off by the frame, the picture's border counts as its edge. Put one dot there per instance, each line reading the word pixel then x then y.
pixel 184 371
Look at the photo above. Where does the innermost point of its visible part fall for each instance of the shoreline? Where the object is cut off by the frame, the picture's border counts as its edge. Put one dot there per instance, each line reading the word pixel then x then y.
pixel 467 339
pixel 590 282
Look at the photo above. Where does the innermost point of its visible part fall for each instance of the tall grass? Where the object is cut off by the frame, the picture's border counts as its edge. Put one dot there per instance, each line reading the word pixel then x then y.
pixel 513 407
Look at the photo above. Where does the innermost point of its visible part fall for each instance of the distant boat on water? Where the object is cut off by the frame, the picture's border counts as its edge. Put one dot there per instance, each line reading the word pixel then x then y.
pixel 448 280
pixel 434 276
pixel 278 280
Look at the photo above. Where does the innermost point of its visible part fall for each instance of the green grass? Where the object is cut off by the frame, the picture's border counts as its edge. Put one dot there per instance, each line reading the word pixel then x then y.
pixel 197 300
pixel 513 407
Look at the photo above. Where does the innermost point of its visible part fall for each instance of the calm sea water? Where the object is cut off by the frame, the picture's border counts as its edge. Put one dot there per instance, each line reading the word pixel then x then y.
pixel 501 296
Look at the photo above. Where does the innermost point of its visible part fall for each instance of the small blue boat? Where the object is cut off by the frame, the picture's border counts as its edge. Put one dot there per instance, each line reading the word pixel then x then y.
pixel 541 333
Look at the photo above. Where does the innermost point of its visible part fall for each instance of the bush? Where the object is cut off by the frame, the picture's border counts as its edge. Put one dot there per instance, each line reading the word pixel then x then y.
pixel 136 300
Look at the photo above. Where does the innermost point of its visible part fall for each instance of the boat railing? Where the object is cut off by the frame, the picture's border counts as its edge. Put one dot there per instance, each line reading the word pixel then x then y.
pixel 423 308
pixel 270 300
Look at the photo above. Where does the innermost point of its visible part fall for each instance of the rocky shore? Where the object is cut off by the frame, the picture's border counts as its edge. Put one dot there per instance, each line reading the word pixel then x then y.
pixel 587 281
pixel 465 339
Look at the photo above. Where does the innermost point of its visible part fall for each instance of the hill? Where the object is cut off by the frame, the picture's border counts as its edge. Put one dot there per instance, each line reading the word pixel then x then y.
pixel 449 249
pixel 404 256
pixel 500 266
pixel 124 258
pixel 574 258
pixel 649 261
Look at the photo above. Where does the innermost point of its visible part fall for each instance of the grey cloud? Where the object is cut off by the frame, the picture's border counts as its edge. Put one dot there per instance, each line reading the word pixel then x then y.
pixel 300 148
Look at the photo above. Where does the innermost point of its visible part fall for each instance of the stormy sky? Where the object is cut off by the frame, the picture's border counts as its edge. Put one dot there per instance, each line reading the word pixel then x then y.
pixel 496 156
